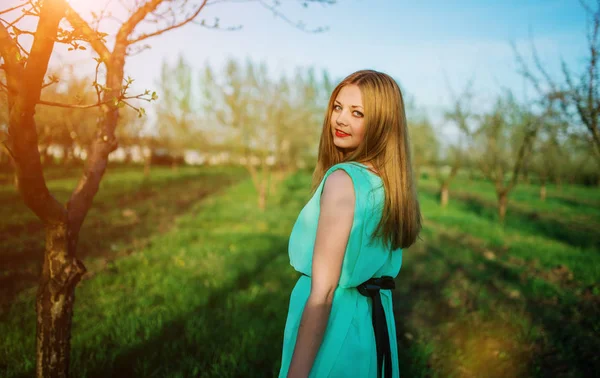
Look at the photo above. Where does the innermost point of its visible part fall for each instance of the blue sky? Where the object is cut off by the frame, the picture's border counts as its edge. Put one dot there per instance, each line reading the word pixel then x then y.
pixel 417 42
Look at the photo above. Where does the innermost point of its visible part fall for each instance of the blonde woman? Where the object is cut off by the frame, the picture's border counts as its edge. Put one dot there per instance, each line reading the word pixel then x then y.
pixel 347 241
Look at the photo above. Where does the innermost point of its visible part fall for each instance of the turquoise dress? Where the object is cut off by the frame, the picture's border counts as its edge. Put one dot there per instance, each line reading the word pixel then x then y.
pixel 348 348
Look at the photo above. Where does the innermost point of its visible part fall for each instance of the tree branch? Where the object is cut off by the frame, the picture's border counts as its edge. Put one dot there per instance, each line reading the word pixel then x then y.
pixel 22 134
pixel 92 38
pixel 13 8
pixel 138 16
pixel 12 24
pixel 175 26
pixel 9 50
pixel 529 135
pixel 297 25
pixel 39 55
pixel 76 106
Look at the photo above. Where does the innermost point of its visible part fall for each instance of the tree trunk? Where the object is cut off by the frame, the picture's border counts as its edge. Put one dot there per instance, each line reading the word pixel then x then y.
pixel 543 192
pixel 273 180
pixel 444 194
pixel 262 195
pixel 54 304
pixel 558 183
pixel 147 165
pixel 502 202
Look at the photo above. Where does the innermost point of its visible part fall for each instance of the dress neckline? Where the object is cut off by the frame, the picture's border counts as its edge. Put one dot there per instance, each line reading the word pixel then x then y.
pixel 367 168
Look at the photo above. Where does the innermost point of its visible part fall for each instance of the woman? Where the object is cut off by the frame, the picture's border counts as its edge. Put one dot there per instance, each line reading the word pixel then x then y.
pixel 363 211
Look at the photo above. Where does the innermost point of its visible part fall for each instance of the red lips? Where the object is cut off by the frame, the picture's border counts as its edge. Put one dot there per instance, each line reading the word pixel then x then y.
pixel 341 134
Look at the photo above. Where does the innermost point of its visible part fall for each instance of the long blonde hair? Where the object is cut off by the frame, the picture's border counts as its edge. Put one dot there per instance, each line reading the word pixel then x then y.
pixel 386 147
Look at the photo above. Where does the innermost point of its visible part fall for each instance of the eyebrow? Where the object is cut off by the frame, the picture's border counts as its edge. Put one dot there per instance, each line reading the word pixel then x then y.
pixel 352 106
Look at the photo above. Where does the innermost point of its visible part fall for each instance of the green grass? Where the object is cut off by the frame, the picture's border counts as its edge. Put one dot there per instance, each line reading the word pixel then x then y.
pixel 208 296
pixel 502 300
pixel 127 209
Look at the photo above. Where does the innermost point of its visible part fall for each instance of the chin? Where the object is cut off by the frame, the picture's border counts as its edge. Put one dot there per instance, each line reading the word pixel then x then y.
pixel 340 145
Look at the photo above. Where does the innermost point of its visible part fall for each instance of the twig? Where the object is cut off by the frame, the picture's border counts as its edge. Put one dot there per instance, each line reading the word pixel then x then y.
pixel 174 26
pixel 74 106
pixel 13 8
pixel 300 26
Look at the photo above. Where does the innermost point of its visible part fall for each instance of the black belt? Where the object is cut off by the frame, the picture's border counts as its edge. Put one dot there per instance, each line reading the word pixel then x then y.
pixel 371 288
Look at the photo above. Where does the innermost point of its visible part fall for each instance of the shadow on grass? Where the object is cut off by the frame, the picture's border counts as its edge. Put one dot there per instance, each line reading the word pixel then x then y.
pixel 575 202
pixel 131 218
pixel 415 350
pixel 237 332
pixel 547 225
pixel 480 317
pixel 543 224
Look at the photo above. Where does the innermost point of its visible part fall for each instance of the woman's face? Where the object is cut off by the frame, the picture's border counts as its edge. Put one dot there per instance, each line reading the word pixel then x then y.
pixel 348 118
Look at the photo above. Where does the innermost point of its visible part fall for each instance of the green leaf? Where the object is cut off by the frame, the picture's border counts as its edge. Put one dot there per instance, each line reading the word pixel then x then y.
pixel 154 96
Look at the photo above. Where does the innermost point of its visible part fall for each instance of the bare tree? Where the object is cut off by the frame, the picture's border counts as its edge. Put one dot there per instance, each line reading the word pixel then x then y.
pixel 425 149
pixel 578 96
pixel 24 70
pixel 461 116
pixel 242 100
pixel 550 156
pixel 504 143
pixel 265 121
pixel 177 120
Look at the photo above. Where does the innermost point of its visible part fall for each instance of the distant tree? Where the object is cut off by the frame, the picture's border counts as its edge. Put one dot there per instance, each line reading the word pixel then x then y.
pixel 241 101
pixel 578 95
pixel 425 143
pixel 504 144
pixel 549 156
pixel 461 116
pixel 578 165
pixel 311 91
pixel 177 110
pixel 267 122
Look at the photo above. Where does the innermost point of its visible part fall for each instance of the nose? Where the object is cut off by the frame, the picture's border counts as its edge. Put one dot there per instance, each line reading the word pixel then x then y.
pixel 341 118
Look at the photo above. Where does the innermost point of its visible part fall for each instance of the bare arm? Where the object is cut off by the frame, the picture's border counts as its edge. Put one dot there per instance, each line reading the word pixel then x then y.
pixel 333 230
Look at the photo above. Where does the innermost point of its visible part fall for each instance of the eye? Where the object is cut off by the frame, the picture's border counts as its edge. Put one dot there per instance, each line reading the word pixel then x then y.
pixel 337 107
pixel 358 114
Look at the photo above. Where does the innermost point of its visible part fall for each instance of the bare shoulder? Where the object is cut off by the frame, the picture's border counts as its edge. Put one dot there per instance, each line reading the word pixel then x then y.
pixel 338 188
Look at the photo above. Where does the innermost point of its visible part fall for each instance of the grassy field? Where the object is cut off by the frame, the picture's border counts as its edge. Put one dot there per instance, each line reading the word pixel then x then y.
pixel 127 210
pixel 201 288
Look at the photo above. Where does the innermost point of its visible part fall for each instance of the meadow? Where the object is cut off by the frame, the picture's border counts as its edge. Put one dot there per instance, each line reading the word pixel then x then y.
pixel 188 278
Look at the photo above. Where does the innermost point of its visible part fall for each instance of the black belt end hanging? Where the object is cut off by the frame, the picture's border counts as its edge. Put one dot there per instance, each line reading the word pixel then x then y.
pixel 371 289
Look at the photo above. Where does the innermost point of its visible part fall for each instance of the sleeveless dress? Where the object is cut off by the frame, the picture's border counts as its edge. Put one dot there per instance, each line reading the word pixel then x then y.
pixel 348 348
